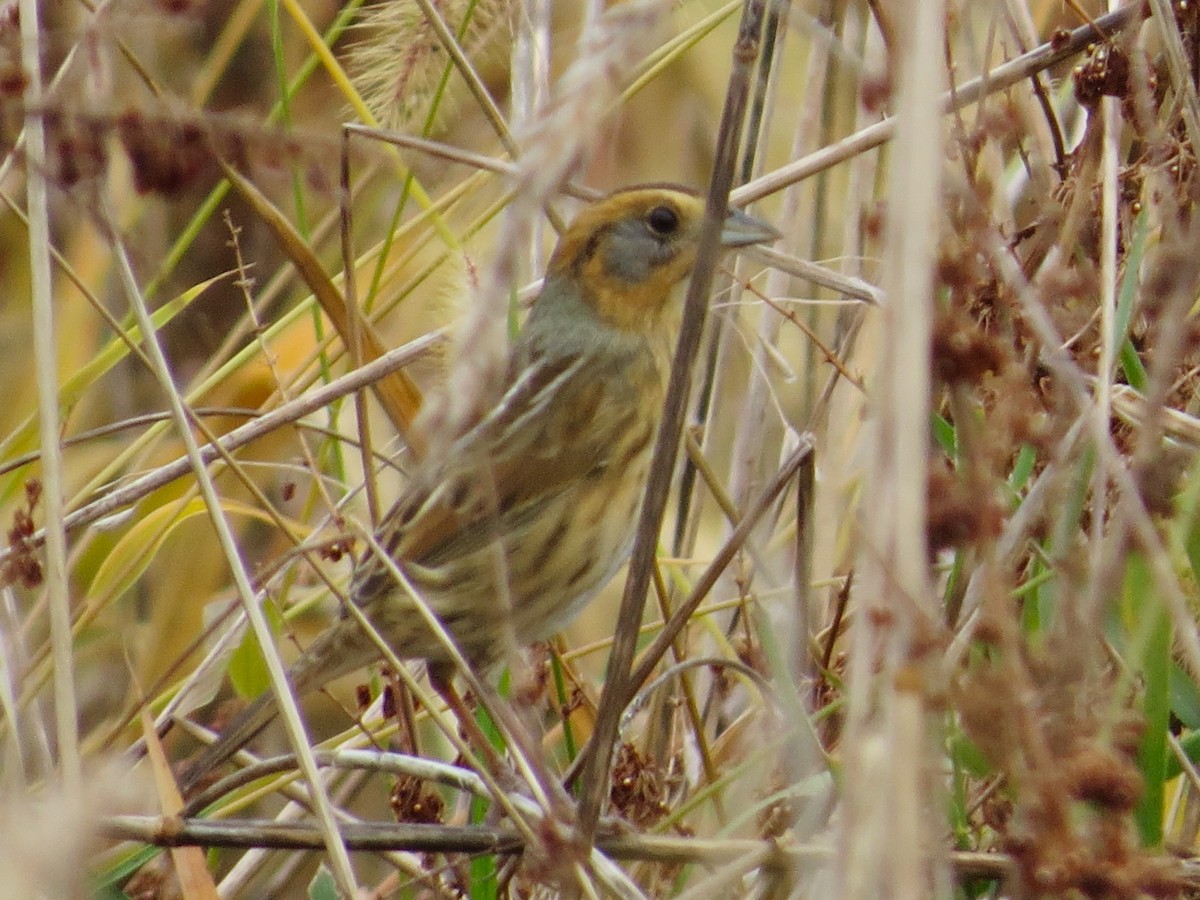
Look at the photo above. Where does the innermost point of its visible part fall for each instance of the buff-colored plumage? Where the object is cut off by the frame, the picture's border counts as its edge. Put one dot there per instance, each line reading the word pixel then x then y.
pixel 552 476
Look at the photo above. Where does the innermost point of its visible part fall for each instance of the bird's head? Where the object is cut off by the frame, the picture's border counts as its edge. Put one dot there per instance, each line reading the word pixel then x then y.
pixel 629 250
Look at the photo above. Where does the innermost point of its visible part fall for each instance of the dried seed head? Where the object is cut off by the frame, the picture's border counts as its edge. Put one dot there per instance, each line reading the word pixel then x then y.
pixel 412 802
pixel 13 80
pixel 638 791
pixel 400 66
pixel 77 149
pixel 1104 74
pixel 23 566
pixel 1097 775
pixel 167 155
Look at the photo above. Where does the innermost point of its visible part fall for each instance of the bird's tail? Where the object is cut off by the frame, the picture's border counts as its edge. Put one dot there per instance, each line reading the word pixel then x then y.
pixel 243 729
pixel 338 651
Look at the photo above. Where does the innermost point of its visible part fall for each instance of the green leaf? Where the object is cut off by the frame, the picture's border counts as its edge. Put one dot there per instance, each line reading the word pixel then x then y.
pixel 1151 654
pixel 1192 548
pixel 323 887
pixel 77 383
pixel 1127 358
pixel 484 878
pixel 136 549
pixel 1129 285
pixel 121 871
pixel 1185 697
pixel 1022 469
pixel 1131 365
pixel 944 434
pixel 966 756
pixel 247 667
pixel 1190 744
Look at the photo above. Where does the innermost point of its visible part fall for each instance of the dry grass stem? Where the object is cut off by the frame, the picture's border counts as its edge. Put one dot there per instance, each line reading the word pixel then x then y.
pixel 925 579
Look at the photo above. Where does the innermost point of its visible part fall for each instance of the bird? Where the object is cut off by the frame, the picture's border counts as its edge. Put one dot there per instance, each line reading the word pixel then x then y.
pixel 551 476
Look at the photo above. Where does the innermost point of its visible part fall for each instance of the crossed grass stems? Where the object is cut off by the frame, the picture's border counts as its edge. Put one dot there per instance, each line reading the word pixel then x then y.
pixel 798 170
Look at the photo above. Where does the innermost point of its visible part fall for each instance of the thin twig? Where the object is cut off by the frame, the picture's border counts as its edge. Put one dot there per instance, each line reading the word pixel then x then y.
pixel 671 629
pixel 121 497
pixel 45 355
pixel 478 839
pixel 339 857
pixel 1001 78
pixel 695 314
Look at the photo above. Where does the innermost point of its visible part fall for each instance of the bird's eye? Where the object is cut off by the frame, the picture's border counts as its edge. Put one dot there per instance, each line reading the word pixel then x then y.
pixel 662 220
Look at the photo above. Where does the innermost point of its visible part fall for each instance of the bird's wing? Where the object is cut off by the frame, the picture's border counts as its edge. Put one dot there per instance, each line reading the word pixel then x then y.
pixel 540 438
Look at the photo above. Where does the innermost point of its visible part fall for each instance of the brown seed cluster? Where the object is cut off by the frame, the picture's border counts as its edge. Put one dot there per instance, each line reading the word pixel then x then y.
pixel 978 347
pixel 1105 73
pixel 167 157
pixel 412 802
pixel 170 152
pixel 962 351
pixel 1033 699
pixel 23 566
pixel 638 788
pixel 1073 831
pixel 1070 779
pixel 959 513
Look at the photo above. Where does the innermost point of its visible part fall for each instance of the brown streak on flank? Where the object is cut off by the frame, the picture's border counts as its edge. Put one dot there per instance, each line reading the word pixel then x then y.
pixel 555 537
pixel 394 540
pixel 452 577
pixel 634 450
pixel 577 576
pixel 458 493
pixel 409 512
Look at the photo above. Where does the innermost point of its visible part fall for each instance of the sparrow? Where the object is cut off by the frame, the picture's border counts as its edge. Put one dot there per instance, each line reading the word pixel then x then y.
pixel 525 517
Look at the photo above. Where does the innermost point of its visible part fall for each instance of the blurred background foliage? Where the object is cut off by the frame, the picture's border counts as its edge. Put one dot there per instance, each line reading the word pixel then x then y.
pixel 1052 752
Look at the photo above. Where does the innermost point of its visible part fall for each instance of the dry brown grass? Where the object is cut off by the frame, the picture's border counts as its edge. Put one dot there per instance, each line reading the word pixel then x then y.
pixel 953 652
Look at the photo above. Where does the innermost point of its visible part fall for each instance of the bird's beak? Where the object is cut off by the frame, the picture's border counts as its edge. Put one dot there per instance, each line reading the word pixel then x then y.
pixel 742 230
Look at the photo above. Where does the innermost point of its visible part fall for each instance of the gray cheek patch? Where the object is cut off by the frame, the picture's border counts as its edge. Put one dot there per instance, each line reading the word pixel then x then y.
pixel 631 253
